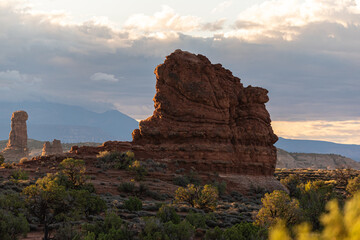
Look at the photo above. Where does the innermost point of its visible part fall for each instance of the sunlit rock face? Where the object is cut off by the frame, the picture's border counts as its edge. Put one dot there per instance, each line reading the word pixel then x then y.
pixel 53 148
pixel 16 147
pixel 206 119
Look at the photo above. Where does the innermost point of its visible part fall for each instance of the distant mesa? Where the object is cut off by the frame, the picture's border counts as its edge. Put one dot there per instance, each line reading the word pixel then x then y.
pixel 53 148
pixel 205 119
pixel 16 147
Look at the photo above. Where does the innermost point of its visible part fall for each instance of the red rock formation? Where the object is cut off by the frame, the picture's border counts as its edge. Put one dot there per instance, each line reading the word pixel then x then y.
pixel 52 149
pixel 206 119
pixel 16 147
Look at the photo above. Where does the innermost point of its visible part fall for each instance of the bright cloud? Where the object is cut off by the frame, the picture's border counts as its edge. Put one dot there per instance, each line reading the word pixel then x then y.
pixel 285 19
pixel 333 131
pixel 165 20
pixel 103 77
pixel 222 6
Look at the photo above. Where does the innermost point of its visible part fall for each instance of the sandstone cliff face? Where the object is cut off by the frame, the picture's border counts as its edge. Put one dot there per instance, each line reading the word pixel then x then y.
pixel 16 147
pixel 205 118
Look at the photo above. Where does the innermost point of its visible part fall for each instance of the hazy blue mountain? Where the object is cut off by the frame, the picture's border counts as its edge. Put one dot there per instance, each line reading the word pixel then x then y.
pixel 68 123
pixel 312 146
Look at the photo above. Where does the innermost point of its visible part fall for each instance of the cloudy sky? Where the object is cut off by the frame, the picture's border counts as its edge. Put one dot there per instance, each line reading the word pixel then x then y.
pixel 101 55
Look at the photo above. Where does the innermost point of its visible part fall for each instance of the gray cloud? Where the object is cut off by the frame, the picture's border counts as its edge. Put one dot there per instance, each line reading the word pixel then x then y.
pixel 99 76
pixel 315 76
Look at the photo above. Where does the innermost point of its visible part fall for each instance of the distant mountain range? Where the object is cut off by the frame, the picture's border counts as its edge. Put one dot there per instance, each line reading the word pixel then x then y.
pixel 312 146
pixel 68 123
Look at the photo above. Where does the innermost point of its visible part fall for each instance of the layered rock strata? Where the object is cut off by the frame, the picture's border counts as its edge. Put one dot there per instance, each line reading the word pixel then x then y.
pixel 16 147
pixel 53 148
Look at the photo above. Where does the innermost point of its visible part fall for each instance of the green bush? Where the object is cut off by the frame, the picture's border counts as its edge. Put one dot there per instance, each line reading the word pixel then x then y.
pixel 127 187
pixel 245 231
pixel 86 203
pixel 74 170
pixel 116 160
pixel 139 169
pixel 19 174
pixel 67 232
pixel 214 234
pixel 133 204
pixel 220 186
pixel 353 186
pixel 198 220
pixel 12 226
pixel 12 220
pixel 291 182
pixel 197 196
pixel 156 230
pixel 112 228
pixel 313 199
pixel 278 205
pixel 167 213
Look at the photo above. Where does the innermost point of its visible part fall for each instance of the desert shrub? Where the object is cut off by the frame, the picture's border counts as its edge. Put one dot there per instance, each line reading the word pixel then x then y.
pixel 45 200
pixel 12 220
pixel 353 186
pixel 337 224
pixel 198 220
pixel 67 232
pixel 245 231
pixel 156 230
pixel 74 169
pixel 143 189
pixel 139 169
pixel 7 165
pixel 112 228
pixel 181 181
pixel 133 204
pixel 2 159
pixel 214 234
pixel 208 198
pixel 313 199
pixel 86 203
pixel 278 205
pixel 116 160
pixel 127 187
pixel 191 177
pixel 197 196
pixel 220 186
pixel 11 226
pixel 167 213
pixel 50 202
pixel 19 174
pixel 291 182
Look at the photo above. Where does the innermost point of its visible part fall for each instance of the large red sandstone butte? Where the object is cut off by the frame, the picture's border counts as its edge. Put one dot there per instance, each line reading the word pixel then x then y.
pixel 205 119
